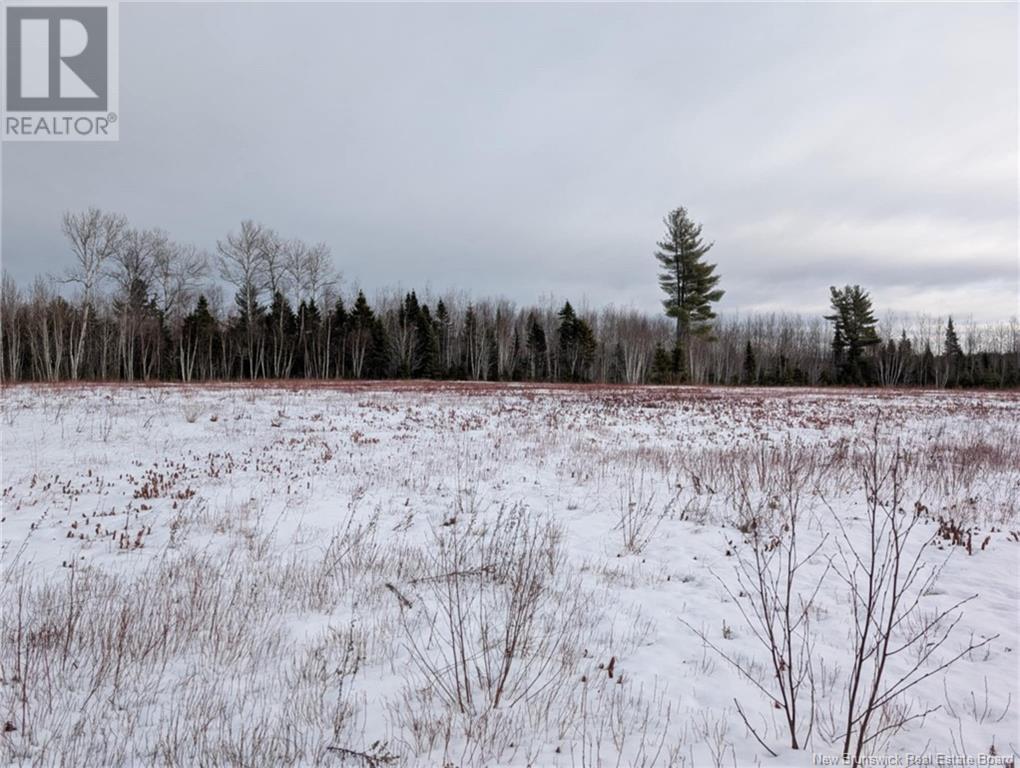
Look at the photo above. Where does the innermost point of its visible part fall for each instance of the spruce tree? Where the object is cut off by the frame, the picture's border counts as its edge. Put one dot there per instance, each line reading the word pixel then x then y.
pixel 362 322
pixel 516 373
pixel 576 344
pixel 362 312
pixel 750 364
pixel 309 320
pixel 442 325
pixel 339 325
pixel 281 329
pixel 536 348
pixel 661 372
pixel 927 373
pixel 428 344
pixel 953 348
pixel 249 319
pixel 379 354
pixel 906 352
pixel 618 365
pixel 200 324
pixel 953 352
pixel 688 281
pixel 198 337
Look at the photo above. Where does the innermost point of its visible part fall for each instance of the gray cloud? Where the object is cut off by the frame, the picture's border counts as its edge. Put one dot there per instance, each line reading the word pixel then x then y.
pixel 528 149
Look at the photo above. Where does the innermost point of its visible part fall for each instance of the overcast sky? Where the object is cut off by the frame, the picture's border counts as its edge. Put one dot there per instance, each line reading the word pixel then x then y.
pixel 523 150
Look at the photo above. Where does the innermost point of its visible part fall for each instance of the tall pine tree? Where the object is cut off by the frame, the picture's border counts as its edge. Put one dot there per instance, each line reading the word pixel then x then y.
pixel 853 332
pixel 688 281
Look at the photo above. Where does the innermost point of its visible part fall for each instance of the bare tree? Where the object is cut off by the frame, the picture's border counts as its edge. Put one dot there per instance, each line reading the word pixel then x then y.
pixel 95 238
pixel 636 336
pixel 321 277
pixel 507 339
pixel 886 581
pixel 136 258
pixel 46 335
pixel 778 596
pixel 275 263
pixel 495 633
pixel 131 268
pixel 403 335
pixel 242 261
pixel 320 284
pixel 11 313
pixel 476 340
pixel 178 271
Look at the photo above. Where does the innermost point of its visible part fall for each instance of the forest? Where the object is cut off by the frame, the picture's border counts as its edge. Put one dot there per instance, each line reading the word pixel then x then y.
pixel 135 305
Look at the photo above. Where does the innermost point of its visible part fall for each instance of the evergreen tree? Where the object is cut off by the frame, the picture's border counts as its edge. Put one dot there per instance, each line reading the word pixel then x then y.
pixel 662 365
pixel 854 332
pixel 677 365
pixel 516 374
pixel 688 281
pixel 954 355
pixel 750 364
pixel 953 349
pixel 428 344
pixel 250 316
pixel 200 321
pixel 927 372
pixel 339 326
pixel 142 330
pixel 363 337
pixel 406 344
pixel 536 348
pixel 618 364
pixel 281 327
pixel 442 326
pixel 379 352
pixel 906 352
pixel 889 358
pixel 839 344
pixel 576 344
pixel 411 306
pixel 309 321
pixel 198 340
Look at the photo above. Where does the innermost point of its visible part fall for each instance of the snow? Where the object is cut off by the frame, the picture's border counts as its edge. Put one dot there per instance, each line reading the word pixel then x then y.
pixel 218 574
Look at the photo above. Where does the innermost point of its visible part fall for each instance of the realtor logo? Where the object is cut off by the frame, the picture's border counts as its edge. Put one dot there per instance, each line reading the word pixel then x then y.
pixel 61 68
pixel 57 59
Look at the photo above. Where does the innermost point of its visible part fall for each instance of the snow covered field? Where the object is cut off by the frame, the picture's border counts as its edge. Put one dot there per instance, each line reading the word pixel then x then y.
pixel 507 576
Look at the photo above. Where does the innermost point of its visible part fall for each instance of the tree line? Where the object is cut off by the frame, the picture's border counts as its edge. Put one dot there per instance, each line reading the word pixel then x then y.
pixel 147 308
